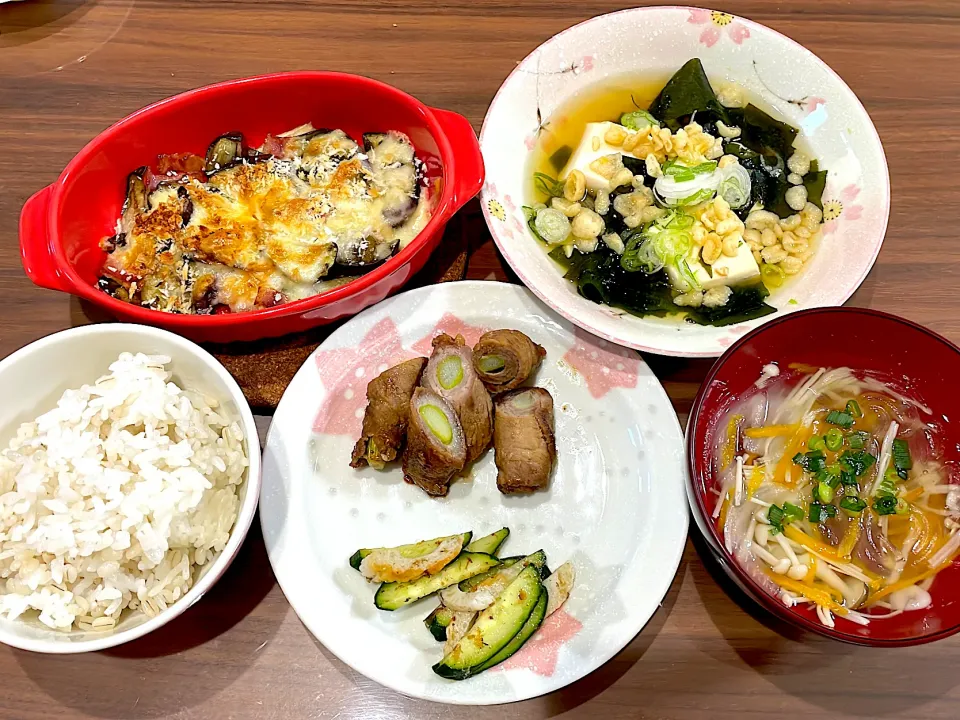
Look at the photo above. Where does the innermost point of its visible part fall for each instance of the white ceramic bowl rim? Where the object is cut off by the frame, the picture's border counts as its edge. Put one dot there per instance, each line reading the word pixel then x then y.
pixel 840 295
pixel 244 516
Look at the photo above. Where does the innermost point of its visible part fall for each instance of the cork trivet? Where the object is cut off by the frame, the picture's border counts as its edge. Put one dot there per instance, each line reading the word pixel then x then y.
pixel 264 368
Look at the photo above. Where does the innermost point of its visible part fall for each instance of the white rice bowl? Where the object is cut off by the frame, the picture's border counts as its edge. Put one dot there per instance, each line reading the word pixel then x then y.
pixel 128 497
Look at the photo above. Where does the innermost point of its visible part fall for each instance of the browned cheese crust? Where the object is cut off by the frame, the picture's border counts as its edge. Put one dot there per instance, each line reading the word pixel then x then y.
pixel 385 419
pixel 428 463
pixel 521 357
pixel 524 440
pixel 470 399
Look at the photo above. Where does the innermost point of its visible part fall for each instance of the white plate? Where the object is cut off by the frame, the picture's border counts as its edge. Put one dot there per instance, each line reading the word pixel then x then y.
pixel 615 507
pixel 786 77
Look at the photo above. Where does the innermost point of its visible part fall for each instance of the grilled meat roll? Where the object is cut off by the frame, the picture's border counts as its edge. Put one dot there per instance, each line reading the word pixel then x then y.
pixel 386 416
pixel 450 374
pixel 435 450
pixel 523 440
pixel 504 359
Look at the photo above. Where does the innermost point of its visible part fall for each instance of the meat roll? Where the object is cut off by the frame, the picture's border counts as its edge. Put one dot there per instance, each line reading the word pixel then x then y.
pixel 385 419
pixel 504 359
pixel 524 441
pixel 450 374
pixel 435 450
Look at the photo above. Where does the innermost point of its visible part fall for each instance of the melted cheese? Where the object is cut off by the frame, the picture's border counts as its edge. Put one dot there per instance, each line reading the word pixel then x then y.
pixel 260 233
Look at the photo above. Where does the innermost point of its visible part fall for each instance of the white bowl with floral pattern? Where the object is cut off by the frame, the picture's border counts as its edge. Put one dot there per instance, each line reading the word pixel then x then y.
pixel 790 82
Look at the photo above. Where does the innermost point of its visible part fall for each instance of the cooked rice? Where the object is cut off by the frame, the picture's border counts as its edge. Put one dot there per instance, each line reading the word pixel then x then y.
pixel 113 500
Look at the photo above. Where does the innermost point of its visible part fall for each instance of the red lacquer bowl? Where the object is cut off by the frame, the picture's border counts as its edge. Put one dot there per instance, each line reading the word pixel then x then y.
pixel 62 225
pixel 916 360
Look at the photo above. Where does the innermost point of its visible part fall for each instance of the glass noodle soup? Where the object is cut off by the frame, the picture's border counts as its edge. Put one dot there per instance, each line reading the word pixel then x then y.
pixel 835 491
pixel 669 199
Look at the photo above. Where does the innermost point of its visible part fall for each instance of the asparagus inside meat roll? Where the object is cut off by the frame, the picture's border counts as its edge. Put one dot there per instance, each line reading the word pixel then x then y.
pixel 524 441
pixel 385 419
pixel 436 450
pixel 450 373
pixel 504 359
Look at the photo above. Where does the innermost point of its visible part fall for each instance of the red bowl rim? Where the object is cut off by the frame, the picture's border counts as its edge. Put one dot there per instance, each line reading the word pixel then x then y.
pixel 444 208
pixel 759 594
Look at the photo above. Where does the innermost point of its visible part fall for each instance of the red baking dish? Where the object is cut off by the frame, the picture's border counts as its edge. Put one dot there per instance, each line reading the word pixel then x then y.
pixel 62 225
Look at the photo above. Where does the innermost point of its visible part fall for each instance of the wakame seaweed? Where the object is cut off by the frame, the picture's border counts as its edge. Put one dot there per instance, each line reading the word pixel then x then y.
pixel 745 303
pixel 815 181
pixel 688 92
pixel 560 157
pixel 600 278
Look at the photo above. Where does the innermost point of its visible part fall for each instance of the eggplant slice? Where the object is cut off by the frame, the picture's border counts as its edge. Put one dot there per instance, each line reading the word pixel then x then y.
pixel 451 374
pixel 435 449
pixel 387 414
pixel 392 159
pixel 523 438
pixel 505 359
pixel 224 152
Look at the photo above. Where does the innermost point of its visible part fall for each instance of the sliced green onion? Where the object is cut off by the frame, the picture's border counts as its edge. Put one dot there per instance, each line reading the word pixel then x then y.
pixel 853 408
pixel 684 173
pixel 847 478
pixel 833 440
pixel 772 276
pixel 638 120
pixel 792 512
pixel 886 505
pixel 735 185
pixel 552 225
pixel 858 462
pixel 901 455
pixel 824 492
pixel 775 515
pixel 853 504
pixel 842 419
pixel 857 440
pixel 800 459
pixel 830 475
pixel 551 187
pixel 816 443
pixel 819 513
pixel 815 461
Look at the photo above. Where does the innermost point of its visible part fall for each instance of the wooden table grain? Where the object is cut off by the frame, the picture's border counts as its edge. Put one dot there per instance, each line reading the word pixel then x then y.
pixel 69 68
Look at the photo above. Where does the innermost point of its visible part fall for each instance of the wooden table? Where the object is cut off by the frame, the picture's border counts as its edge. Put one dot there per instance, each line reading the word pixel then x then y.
pixel 69 68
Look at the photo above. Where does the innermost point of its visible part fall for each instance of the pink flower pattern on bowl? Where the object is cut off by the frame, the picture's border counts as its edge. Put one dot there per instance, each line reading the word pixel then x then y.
pixel 717 24
pixel 841 206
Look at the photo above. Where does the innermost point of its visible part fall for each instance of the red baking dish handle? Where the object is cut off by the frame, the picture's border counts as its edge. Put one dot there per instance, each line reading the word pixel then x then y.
pixel 469 173
pixel 35 250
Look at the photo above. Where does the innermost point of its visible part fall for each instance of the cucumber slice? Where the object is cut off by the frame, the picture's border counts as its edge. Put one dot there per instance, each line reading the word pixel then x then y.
pixel 532 624
pixel 391 596
pixel 438 621
pixel 414 550
pixel 489 544
pixel 495 627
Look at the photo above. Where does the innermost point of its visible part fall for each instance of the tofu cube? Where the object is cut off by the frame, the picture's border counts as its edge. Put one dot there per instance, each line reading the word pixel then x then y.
pixel 739 269
pixel 584 154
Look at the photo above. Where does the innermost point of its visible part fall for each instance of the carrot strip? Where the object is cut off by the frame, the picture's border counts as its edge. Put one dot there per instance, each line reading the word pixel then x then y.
pixel 793 447
pixel 820 597
pixel 770 431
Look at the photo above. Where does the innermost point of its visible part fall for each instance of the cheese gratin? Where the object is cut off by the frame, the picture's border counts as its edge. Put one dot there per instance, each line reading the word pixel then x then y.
pixel 251 228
